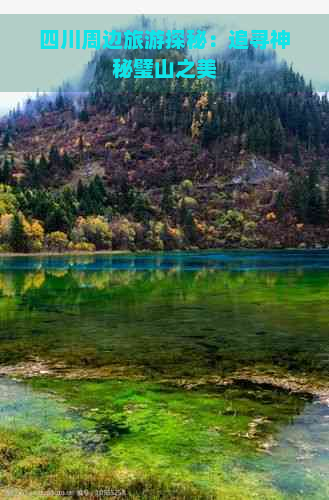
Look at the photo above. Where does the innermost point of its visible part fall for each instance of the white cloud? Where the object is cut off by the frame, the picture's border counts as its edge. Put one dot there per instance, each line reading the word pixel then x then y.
pixel 9 100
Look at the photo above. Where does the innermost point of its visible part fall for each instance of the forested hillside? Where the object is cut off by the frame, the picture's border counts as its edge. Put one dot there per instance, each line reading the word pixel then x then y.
pixel 239 161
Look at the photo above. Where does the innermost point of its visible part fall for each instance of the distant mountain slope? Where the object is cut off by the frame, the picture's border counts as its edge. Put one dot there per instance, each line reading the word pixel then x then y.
pixel 237 161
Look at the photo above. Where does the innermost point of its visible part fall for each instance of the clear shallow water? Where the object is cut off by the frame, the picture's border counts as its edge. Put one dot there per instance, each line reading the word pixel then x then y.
pixel 298 458
pixel 168 317
pixel 21 406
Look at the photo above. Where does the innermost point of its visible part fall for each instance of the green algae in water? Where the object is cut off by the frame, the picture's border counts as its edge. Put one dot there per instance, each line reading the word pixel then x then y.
pixel 211 438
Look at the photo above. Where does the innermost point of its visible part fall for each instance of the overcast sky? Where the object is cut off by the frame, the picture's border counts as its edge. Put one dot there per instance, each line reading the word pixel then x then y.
pixel 45 69
pixel 9 100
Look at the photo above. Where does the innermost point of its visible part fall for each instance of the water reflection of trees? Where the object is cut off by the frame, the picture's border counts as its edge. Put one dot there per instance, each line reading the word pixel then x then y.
pixel 257 315
pixel 205 284
pixel 20 282
pixel 16 283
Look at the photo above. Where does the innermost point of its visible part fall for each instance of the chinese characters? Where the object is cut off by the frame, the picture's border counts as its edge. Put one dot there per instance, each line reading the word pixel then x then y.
pixel 259 38
pixel 177 39
pixel 145 68
pixel 131 40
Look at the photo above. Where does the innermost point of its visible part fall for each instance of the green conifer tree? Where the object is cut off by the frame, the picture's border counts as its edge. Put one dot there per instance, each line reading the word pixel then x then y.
pixel 17 237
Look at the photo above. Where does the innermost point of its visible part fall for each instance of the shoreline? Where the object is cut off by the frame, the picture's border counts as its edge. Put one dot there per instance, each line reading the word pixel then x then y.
pixel 149 251
pixel 316 387
pixel 63 254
